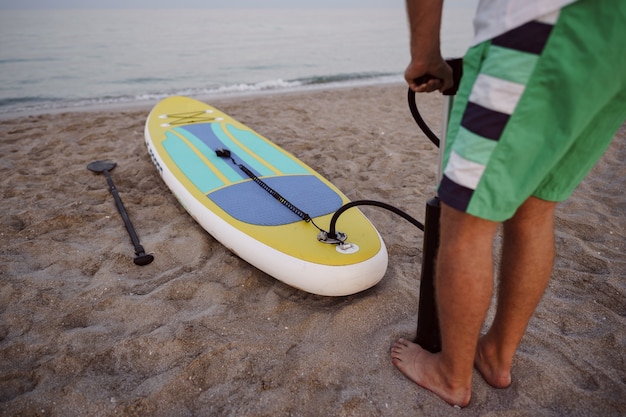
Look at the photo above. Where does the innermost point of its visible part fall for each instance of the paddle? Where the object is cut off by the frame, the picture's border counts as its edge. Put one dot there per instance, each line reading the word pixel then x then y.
pixel 142 258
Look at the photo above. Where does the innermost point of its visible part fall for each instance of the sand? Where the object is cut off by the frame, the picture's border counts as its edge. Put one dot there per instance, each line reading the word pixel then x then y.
pixel 199 332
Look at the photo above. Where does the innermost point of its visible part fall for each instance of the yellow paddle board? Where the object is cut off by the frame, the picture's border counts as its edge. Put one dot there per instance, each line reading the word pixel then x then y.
pixel 260 201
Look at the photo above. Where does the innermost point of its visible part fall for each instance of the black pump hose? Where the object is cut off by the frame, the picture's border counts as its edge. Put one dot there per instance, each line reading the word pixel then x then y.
pixel 457 71
pixel 332 232
pixel 418 119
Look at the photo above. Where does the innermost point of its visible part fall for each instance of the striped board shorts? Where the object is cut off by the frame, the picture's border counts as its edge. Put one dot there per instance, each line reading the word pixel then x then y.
pixel 536 109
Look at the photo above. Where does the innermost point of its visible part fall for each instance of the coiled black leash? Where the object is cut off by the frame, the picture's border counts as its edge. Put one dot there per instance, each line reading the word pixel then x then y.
pixel 225 153
pixel 331 236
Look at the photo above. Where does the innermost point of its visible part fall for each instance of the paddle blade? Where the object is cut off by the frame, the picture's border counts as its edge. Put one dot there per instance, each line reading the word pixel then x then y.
pixel 101 166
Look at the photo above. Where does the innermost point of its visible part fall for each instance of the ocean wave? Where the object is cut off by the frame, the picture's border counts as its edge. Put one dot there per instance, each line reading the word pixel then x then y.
pixel 342 78
pixel 10 102
pixel 261 86
pixel 142 80
pixel 43 104
pixel 26 60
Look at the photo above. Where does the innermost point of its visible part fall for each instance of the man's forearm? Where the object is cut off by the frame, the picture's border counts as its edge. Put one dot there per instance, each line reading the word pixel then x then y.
pixel 425 26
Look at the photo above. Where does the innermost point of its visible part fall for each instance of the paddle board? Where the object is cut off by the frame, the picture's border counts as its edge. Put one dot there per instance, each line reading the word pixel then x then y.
pixel 224 173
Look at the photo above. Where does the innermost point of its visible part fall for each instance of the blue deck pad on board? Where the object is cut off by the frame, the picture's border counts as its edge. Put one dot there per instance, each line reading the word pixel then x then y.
pixel 191 164
pixel 276 158
pixel 206 142
pixel 249 203
pixel 253 149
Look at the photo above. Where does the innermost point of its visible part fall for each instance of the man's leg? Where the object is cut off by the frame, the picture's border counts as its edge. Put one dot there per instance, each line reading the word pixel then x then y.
pixel 525 269
pixel 463 287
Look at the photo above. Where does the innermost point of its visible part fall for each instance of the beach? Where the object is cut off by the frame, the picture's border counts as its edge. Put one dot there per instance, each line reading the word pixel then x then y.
pixel 199 332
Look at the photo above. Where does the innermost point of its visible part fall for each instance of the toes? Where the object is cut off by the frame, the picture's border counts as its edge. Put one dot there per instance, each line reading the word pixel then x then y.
pixel 396 347
pixel 396 353
pixel 401 343
pixel 399 349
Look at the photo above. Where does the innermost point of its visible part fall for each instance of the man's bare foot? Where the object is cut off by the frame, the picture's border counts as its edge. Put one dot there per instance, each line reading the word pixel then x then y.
pixel 422 367
pixel 494 371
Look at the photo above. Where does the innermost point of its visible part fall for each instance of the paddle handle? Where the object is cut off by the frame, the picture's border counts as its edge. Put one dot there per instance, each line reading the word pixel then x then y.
pixel 120 207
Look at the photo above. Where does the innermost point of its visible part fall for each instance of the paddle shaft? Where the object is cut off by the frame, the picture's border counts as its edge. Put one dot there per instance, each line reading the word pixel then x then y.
pixel 120 207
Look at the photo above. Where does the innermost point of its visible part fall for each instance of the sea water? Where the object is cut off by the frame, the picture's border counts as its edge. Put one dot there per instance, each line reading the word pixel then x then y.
pixel 75 58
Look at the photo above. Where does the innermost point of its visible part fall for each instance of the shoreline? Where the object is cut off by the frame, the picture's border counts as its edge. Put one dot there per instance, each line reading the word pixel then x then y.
pixel 138 104
pixel 84 331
